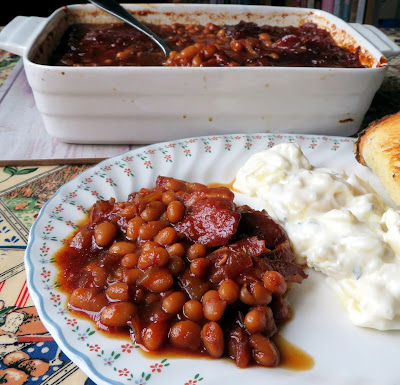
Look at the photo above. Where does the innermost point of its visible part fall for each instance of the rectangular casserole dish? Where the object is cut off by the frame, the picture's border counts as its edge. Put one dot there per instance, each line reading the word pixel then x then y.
pixel 150 104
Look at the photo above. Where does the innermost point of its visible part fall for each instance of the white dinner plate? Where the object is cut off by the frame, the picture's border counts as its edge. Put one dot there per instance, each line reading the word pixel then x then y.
pixel 343 353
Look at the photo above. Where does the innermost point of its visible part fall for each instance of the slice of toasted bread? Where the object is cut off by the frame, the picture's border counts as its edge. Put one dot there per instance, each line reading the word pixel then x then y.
pixel 378 147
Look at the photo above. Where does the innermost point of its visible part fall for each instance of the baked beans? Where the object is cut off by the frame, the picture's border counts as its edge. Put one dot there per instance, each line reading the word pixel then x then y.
pixel 139 266
pixel 210 45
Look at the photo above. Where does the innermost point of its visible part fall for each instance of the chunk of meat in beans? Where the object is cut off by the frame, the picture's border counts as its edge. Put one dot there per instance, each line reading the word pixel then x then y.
pixel 186 334
pixel 143 275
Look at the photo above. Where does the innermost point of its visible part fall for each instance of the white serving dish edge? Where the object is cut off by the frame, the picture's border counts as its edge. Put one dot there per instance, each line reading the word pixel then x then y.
pixel 150 104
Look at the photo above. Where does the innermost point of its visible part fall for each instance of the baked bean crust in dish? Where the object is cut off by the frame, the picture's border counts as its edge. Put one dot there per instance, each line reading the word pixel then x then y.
pixel 243 44
pixel 182 266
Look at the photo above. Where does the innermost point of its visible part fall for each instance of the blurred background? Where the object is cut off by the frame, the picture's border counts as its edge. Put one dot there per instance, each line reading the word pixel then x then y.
pixel 381 13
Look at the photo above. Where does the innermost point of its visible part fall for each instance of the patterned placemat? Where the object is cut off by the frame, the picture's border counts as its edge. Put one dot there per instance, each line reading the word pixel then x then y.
pixel 23 191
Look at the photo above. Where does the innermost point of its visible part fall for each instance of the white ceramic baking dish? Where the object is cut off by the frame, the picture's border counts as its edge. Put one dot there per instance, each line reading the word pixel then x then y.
pixel 148 104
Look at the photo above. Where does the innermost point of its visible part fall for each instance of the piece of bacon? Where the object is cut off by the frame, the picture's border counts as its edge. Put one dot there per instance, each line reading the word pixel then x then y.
pixel 280 257
pixel 210 221
pixel 235 259
pixel 209 192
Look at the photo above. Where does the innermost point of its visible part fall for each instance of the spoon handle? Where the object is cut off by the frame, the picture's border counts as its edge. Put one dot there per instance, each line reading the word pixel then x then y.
pixel 114 8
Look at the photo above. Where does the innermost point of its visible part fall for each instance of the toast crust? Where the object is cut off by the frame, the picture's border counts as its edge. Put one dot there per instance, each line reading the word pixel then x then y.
pixel 378 147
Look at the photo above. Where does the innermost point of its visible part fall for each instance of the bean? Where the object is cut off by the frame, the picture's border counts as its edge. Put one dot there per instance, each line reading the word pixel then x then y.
pixel 118 275
pixel 104 233
pixel 197 250
pixel 213 339
pixel 264 351
pixel 168 196
pixel 214 310
pixel 209 51
pixel 82 239
pixel 186 335
pixel 149 245
pixel 156 279
pixel 182 194
pixel 274 282
pixel 236 45
pixel 164 217
pixel 172 183
pixel 245 295
pixel 150 195
pixel 176 249
pixel 88 299
pixel 129 211
pixel 176 265
pixel 273 55
pixel 212 26
pixel 117 314
pixel 221 33
pixel 264 36
pixel 132 229
pixel 173 303
pixel 261 295
pixel 175 211
pixel 130 260
pixel 210 295
pixel 193 310
pixel 229 291
pixel 197 61
pixel 154 257
pixel 130 276
pixel 255 321
pixel 154 335
pixel 200 266
pixel 255 294
pixel 153 211
pixel 167 236
pixel 149 230
pixel 122 248
pixel 213 306
pixel 118 292
pixel 124 54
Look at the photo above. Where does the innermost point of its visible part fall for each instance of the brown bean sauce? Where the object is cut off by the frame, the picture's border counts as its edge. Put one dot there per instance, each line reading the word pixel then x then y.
pixel 243 44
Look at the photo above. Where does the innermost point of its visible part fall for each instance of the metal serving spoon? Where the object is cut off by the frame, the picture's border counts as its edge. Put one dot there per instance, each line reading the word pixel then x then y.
pixel 115 9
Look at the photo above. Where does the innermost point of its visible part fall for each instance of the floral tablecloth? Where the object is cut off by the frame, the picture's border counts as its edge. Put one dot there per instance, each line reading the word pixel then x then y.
pixel 23 191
